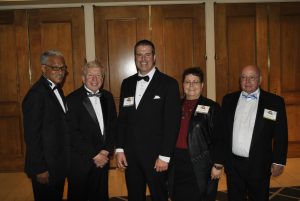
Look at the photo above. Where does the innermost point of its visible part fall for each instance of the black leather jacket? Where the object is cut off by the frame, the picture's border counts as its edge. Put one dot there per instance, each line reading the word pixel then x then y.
pixel 205 134
pixel 205 141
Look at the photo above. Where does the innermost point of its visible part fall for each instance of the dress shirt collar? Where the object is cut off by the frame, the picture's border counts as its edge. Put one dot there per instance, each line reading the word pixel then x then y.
pixel 88 90
pixel 51 84
pixel 150 74
pixel 255 93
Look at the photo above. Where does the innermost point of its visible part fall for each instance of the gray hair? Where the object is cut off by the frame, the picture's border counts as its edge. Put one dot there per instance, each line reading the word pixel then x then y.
pixel 92 64
pixel 49 53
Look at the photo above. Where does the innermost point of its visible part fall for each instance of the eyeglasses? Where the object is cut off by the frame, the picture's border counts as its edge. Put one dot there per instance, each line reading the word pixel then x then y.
pixel 57 68
pixel 250 78
pixel 192 83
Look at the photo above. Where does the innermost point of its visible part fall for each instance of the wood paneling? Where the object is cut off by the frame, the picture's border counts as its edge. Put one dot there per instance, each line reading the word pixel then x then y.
pixel 178 32
pixel 116 31
pixel 285 64
pixel 241 39
pixel 13 81
pixel 266 35
pixel 24 35
pixel 60 29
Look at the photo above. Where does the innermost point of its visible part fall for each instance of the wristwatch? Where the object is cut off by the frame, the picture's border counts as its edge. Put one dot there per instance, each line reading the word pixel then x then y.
pixel 218 167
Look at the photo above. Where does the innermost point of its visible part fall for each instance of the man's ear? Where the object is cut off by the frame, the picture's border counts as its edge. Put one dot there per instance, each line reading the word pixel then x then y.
pixel 260 80
pixel 43 68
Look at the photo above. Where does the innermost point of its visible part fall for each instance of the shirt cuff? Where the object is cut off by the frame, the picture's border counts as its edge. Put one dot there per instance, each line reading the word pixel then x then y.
pixel 278 164
pixel 164 158
pixel 119 150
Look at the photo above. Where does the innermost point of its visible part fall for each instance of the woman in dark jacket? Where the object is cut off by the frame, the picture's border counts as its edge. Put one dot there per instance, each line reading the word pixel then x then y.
pixel 197 161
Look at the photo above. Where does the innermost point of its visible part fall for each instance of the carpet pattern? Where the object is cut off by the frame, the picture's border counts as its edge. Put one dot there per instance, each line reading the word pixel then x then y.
pixel 276 194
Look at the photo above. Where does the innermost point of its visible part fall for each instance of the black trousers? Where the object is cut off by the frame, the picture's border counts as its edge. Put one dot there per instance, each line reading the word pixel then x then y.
pixel 87 182
pixel 186 186
pixel 139 173
pixel 244 184
pixel 48 192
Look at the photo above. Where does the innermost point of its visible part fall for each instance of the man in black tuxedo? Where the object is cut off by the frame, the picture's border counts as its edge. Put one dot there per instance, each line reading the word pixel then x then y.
pixel 45 130
pixel 256 126
pixel 148 124
pixel 91 119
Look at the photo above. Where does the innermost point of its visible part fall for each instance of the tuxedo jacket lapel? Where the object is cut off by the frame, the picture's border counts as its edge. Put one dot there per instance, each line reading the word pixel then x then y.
pixel 89 107
pixel 258 125
pixel 148 95
pixel 104 108
pixel 52 94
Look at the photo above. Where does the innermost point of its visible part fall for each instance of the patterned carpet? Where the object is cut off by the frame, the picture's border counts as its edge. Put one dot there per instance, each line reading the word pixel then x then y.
pixel 276 194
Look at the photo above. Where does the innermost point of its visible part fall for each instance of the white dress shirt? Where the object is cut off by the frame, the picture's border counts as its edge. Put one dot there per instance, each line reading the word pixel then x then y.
pixel 57 95
pixel 141 87
pixel 244 120
pixel 97 108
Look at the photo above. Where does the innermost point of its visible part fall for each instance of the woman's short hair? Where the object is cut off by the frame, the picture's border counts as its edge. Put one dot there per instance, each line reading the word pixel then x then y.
pixel 196 71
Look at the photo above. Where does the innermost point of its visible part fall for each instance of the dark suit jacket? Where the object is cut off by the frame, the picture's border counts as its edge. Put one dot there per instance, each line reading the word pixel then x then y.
pixel 152 128
pixel 270 138
pixel 85 134
pixel 45 131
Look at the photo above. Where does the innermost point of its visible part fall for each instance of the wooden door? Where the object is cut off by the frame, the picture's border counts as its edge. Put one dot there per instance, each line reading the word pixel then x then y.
pixel 285 64
pixel 14 63
pixel 241 39
pixel 24 35
pixel 60 29
pixel 178 31
pixel 267 35
pixel 116 31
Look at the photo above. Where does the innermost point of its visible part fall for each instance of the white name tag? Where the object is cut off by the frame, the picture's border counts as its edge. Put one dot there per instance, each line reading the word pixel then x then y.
pixel 202 109
pixel 270 114
pixel 129 101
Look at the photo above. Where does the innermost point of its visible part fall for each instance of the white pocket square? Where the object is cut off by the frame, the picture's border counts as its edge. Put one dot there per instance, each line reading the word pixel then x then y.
pixel 156 97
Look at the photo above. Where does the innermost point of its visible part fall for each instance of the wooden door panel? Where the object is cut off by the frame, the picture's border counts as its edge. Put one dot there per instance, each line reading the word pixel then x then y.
pixel 62 30
pixel 178 32
pixel 117 29
pixel 241 47
pixel 285 64
pixel 13 80
pixel 241 39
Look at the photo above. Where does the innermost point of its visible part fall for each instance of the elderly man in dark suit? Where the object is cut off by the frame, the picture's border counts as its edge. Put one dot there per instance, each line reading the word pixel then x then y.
pixel 91 119
pixel 256 126
pixel 45 130
pixel 147 126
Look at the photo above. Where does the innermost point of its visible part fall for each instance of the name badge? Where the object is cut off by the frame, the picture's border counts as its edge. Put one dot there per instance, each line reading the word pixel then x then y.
pixel 202 109
pixel 270 114
pixel 129 101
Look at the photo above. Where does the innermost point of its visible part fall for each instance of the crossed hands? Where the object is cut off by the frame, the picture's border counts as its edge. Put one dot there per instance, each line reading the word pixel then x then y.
pixel 101 159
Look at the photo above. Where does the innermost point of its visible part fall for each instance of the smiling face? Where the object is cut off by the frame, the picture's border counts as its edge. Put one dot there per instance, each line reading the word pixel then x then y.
pixel 192 87
pixel 93 78
pixel 144 59
pixel 250 79
pixel 54 69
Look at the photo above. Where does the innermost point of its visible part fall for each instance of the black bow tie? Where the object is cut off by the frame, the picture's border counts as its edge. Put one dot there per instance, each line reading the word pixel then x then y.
pixel 89 94
pixel 146 78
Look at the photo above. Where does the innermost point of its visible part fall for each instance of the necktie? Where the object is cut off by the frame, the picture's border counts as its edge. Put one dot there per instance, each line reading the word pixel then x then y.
pixel 249 96
pixel 146 78
pixel 98 94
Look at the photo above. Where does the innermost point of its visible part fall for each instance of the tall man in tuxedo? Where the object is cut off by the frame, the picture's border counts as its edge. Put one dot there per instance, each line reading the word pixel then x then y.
pixel 148 124
pixel 45 130
pixel 256 126
pixel 91 119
